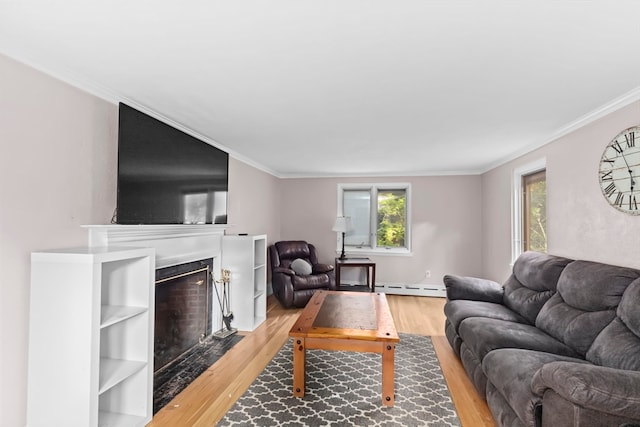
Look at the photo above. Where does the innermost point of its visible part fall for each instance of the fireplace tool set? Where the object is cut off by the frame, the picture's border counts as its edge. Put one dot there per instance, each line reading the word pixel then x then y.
pixel 225 306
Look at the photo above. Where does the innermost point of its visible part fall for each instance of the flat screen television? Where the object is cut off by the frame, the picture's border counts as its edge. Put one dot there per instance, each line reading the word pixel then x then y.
pixel 166 176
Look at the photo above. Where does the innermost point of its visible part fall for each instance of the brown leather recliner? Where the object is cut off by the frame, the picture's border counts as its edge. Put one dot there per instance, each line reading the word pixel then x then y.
pixel 295 290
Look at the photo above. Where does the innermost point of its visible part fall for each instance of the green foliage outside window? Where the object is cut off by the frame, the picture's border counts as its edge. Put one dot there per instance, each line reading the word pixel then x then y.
pixel 391 218
pixel 538 216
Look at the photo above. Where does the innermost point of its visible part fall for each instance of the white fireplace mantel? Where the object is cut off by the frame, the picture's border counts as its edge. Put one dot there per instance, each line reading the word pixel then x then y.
pixel 174 243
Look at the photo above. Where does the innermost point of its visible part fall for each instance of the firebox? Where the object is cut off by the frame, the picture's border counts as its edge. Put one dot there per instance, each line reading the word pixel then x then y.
pixel 182 310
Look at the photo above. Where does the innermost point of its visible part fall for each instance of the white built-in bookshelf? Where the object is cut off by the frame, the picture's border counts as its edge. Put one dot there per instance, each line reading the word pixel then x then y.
pixel 246 257
pixel 91 337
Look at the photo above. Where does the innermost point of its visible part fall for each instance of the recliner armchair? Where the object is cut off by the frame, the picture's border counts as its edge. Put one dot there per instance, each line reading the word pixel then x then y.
pixel 295 290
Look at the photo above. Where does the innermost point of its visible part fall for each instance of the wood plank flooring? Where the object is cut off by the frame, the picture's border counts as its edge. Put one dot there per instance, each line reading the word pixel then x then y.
pixel 205 401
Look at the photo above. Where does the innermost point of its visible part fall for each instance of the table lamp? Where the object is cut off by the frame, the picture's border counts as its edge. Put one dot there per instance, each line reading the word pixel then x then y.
pixel 341 226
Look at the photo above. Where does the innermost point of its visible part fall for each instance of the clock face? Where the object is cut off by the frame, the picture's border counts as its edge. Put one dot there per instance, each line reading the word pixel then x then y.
pixel 620 171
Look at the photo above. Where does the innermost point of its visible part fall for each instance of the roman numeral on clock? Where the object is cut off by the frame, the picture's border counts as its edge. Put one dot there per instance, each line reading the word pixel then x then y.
pixel 610 190
pixel 619 199
pixel 607 176
pixel 616 146
pixel 633 205
pixel 631 139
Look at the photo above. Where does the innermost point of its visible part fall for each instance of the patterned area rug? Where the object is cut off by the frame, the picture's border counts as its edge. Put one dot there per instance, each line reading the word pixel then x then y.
pixel 344 389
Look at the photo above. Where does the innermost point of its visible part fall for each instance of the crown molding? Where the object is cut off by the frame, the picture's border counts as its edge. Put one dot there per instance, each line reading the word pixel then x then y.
pixel 600 112
pixel 397 174
pixel 79 82
pixel 65 75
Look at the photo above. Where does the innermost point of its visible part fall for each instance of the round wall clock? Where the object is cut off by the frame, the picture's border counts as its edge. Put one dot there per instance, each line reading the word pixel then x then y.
pixel 620 171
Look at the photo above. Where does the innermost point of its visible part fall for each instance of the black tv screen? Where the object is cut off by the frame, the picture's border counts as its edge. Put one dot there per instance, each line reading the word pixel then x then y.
pixel 166 176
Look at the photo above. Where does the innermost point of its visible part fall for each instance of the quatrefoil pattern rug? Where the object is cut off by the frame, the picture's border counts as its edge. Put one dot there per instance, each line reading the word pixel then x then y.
pixel 344 389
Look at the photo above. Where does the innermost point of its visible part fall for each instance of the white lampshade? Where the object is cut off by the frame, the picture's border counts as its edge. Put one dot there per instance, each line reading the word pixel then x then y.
pixel 342 224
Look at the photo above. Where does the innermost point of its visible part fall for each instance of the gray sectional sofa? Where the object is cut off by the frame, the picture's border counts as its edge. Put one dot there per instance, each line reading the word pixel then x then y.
pixel 558 344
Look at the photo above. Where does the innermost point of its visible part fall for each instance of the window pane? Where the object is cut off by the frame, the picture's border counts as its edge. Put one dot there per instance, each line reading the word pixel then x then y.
pixel 356 205
pixel 391 220
pixel 535 212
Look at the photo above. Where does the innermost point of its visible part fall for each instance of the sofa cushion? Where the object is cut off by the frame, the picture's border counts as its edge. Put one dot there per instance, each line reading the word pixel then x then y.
pixel 589 386
pixel 473 367
pixel 500 409
pixel 618 345
pixel 473 288
pixel 458 310
pixel 628 308
pixel 452 336
pixel 483 335
pixel 561 412
pixel 310 282
pixel 301 267
pixel 532 283
pixel 588 294
pixel 510 371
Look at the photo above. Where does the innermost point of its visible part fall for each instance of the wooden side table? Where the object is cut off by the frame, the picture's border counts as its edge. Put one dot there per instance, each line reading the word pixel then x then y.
pixel 357 262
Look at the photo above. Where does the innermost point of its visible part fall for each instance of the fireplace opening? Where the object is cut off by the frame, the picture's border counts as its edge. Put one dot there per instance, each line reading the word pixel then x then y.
pixel 184 346
pixel 182 310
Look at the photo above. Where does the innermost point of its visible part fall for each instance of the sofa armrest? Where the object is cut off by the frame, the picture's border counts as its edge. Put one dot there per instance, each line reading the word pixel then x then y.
pixel 287 271
pixel 322 268
pixel 613 391
pixel 473 288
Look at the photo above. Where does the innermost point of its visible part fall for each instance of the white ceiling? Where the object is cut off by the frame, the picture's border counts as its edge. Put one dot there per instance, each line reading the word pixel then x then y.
pixel 346 87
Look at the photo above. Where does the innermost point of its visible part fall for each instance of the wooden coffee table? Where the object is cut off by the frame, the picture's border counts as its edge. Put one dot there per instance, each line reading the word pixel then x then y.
pixel 348 321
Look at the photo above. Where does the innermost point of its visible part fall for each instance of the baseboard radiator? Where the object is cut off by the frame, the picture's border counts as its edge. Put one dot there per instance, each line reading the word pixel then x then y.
pixel 418 289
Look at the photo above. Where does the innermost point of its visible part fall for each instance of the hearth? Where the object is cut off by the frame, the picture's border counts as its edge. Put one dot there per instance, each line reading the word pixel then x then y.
pixel 175 377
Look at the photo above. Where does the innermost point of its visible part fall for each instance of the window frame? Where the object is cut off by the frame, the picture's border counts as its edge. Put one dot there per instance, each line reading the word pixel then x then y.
pixel 374 189
pixel 517 208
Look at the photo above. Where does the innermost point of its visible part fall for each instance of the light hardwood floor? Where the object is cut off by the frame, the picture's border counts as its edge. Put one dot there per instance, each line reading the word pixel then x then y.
pixel 210 396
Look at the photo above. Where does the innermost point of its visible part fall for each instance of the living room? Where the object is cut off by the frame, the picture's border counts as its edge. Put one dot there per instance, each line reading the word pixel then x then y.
pixel 59 145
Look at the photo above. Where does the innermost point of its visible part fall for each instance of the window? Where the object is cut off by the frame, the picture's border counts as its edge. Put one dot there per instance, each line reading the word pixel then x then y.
pixel 379 217
pixel 534 203
pixel 529 224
